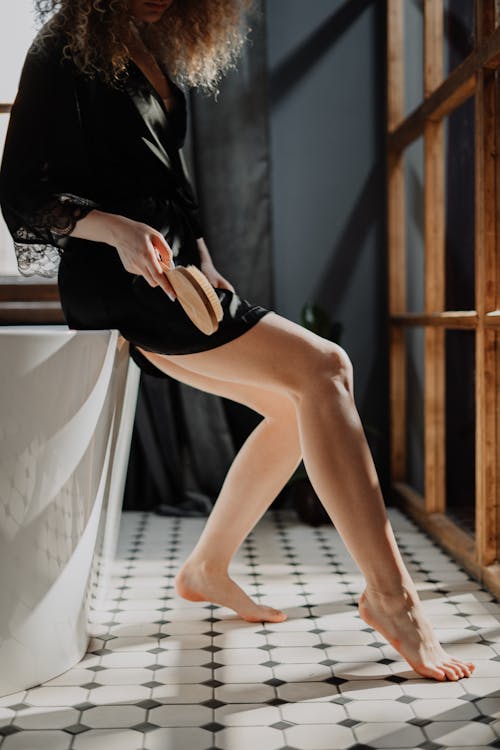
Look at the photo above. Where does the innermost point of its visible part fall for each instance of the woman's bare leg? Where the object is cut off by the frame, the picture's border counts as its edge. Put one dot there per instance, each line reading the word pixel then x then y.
pixel 284 357
pixel 260 470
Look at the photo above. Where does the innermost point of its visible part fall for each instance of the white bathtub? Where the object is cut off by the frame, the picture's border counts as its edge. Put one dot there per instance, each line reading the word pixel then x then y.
pixel 67 404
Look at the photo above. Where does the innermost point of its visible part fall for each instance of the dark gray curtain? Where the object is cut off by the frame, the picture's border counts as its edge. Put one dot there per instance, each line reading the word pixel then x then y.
pixel 184 440
pixel 228 154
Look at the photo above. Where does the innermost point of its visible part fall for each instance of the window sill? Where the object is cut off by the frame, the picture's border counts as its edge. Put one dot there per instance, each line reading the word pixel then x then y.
pixel 22 313
pixel 29 300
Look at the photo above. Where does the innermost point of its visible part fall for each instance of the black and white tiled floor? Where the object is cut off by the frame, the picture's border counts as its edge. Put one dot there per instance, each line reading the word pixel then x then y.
pixel 166 674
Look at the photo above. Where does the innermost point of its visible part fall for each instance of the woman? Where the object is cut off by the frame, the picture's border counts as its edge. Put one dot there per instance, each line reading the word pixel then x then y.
pixel 92 173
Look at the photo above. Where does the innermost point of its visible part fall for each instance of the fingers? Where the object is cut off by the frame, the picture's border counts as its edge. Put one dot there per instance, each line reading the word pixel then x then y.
pixel 145 254
pixel 226 285
pixel 167 288
pixel 159 256
pixel 149 277
pixel 161 281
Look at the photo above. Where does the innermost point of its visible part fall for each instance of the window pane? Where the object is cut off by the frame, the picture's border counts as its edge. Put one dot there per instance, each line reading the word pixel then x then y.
pixel 458 27
pixel 459 208
pixel 413 53
pixel 460 427
pixel 414 189
pixel 17 30
pixel 8 264
pixel 415 381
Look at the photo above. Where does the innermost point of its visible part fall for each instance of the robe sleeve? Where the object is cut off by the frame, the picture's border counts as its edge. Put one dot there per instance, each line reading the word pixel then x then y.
pixel 42 176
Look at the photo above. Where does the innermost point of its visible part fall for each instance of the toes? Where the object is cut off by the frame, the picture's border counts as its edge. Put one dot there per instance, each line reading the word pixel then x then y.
pixel 450 671
pixel 466 667
pixel 278 615
pixel 436 673
pixel 466 672
pixel 268 615
pixel 457 667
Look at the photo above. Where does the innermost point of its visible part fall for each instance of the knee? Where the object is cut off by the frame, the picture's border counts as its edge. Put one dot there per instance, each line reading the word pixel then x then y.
pixel 336 367
pixel 344 369
pixel 328 368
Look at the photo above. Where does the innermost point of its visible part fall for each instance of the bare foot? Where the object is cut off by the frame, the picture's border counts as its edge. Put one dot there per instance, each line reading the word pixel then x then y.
pixel 197 583
pixel 401 621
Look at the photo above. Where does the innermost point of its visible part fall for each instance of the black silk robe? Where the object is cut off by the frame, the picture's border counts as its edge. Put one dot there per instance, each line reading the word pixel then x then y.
pixel 74 144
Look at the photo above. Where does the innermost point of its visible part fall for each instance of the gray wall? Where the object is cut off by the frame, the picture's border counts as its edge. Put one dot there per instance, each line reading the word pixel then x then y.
pixel 327 107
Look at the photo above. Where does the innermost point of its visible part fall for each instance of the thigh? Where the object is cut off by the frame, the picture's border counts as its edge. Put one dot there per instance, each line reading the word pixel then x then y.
pixel 276 354
pixel 260 399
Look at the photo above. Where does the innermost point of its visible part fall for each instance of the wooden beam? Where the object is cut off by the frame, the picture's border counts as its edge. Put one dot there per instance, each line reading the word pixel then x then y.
pixel 485 293
pixel 457 542
pixel 396 235
pixel 449 95
pixel 487 516
pixel 435 421
pixel 484 21
pixel 434 392
pixel 491 579
pixel 494 310
pixel 453 92
pixel 497 447
pixel 397 403
pixel 478 75
pixel 447 319
pixel 395 62
pixel 433 45
pixel 493 316
pixel 397 304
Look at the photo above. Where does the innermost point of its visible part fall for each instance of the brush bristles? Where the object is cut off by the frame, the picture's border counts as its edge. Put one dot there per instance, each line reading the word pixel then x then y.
pixel 207 287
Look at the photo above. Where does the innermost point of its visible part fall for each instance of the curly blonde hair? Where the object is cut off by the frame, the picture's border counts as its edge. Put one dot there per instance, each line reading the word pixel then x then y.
pixel 197 40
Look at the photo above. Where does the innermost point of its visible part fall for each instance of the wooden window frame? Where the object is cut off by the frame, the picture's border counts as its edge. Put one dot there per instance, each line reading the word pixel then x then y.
pixel 479 76
pixel 28 300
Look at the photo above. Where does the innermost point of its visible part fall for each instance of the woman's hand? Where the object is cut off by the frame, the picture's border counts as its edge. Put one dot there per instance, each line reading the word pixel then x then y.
pixel 139 246
pixel 214 277
pixel 208 268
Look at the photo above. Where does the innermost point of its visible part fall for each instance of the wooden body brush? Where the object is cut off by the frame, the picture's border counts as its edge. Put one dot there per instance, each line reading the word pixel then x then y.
pixel 196 296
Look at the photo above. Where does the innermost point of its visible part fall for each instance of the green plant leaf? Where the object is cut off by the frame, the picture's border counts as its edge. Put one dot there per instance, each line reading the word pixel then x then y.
pixel 316 319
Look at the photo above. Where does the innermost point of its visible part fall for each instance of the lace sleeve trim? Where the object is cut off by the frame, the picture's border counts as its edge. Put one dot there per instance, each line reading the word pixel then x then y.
pixel 42 260
pixel 39 237
pixel 58 217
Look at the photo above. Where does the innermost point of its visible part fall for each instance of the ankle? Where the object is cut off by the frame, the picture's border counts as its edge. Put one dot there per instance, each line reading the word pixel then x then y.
pixel 396 593
pixel 206 565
